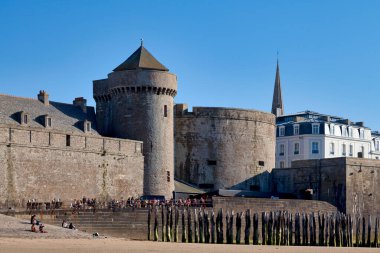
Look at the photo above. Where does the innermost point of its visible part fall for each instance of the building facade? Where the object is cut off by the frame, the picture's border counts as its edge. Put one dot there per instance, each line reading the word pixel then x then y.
pixel 311 135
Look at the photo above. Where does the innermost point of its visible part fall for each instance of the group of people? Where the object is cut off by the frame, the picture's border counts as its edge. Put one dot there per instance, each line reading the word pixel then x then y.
pixel 35 223
pixel 67 225
pixel 35 204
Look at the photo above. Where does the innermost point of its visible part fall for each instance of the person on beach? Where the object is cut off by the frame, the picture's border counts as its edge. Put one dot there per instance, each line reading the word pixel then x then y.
pixel 41 228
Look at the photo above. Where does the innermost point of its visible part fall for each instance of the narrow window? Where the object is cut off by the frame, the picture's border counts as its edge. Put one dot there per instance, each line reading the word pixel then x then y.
pixel 377 146
pixel 261 163
pixel 88 126
pixel 281 131
pixel 49 122
pixel 332 129
pixel 296 129
pixel 332 148
pixel 168 176
pixel 211 162
pixel 351 150
pixel 25 118
pixel 343 149
pixel 315 129
pixel 165 111
pixel 315 147
pixel 68 137
pixel 282 164
pixel 296 148
pixel 282 149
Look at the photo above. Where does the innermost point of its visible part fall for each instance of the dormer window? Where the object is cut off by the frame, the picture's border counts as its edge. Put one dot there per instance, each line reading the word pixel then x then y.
pixel 24 118
pixel 281 131
pixel 48 121
pixel 87 126
pixel 315 128
pixel 296 129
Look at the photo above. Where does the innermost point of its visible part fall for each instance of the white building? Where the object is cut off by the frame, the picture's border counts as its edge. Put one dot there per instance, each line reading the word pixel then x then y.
pixel 311 135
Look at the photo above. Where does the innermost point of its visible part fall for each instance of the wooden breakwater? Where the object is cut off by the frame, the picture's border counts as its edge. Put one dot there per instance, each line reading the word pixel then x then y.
pixel 178 224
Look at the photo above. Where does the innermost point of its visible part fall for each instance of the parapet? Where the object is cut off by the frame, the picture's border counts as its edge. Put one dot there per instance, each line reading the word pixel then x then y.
pixel 182 110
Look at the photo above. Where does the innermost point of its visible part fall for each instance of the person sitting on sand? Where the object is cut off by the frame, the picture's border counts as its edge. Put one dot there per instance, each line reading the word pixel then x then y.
pixel 64 224
pixel 41 228
pixel 71 226
pixel 34 228
pixel 33 219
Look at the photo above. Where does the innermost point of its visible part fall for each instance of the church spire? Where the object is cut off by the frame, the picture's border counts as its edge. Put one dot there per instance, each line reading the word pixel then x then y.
pixel 277 105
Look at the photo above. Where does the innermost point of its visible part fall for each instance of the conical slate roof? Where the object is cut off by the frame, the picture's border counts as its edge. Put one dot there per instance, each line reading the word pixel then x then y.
pixel 141 59
pixel 277 105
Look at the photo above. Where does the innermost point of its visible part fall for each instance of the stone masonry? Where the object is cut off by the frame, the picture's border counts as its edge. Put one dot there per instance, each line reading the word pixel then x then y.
pixel 224 148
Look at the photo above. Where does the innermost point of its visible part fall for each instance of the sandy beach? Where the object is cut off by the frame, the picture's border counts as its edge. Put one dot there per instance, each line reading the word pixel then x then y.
pixel 15 237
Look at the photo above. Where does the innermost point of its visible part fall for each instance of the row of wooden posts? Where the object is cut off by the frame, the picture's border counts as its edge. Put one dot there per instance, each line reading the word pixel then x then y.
pixel 277 228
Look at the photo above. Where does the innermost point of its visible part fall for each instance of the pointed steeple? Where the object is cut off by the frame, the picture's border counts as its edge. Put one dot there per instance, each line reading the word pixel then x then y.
pixel 277 105
pixel 141 59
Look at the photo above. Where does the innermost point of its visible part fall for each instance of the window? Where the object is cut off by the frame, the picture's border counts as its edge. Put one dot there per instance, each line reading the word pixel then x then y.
pixel 165 111
pixel 332 148
pixel 315 129
pixel 349 131
pixel 211 162
pixel 282 150
pixel 282 164
pixel 332 129
pixel 261 163
pixel 68 137
pixel 344 131
pixel 168 176
pixel 25 119
pixel 377 145
pixel 296 148
pixel 362 152
pixel 48 122
pixel 361 133
pixel 282 131
pixel 344 150
pixel 315 147
pixel 88 127
pixel 351 150
pixel 296 129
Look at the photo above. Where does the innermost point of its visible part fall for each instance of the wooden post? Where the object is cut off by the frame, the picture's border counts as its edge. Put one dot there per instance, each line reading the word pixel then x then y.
pixel 238 227
pixel 332 232
pixel 357 234
pixel 290 240
pixel 212 227
pixel 169 222
pixel 206 221
pixel 255 229
pixel 184 239
pixel 263 228
pixel 270 229
pixel 196 237
pixel 149 214
pixel 247 228
pixel 200 223
pixel 337 230
pixel 321 229
pixel 163 224
pixel 228 227
pixel 176 219
pixel 155 225
pixel 189 228
pixel 369 232
pixel 376 239
pixel 363 232
pixel 297 230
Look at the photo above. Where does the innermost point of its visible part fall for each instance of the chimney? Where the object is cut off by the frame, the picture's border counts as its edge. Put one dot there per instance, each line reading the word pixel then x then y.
pixel 43 97
pixel 81 103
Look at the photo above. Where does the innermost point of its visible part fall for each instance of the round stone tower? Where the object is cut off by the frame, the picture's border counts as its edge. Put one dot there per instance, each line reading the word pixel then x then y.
pixel 136 102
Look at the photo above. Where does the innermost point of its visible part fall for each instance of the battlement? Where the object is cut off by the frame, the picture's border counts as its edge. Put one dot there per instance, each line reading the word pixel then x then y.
pixel 60 140
pixel 181 110
pixel 135 81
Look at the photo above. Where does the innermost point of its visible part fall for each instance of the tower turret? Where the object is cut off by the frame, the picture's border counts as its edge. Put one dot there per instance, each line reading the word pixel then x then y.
pixel 136 102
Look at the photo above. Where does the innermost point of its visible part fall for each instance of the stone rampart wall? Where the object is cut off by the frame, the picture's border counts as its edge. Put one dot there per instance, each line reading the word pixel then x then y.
pixel 40 165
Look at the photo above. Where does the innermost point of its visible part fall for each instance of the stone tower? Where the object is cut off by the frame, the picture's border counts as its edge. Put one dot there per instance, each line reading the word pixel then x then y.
pixel 277 105
pixel 136 102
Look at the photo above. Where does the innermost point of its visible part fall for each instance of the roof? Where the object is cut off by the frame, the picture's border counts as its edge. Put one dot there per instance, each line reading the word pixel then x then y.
pixel 277 95
pixel 141 59
pixel 65 117
pixel 183 187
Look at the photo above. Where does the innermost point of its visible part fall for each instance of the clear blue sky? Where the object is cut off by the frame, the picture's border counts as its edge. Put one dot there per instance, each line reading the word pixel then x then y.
pixel 223 52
